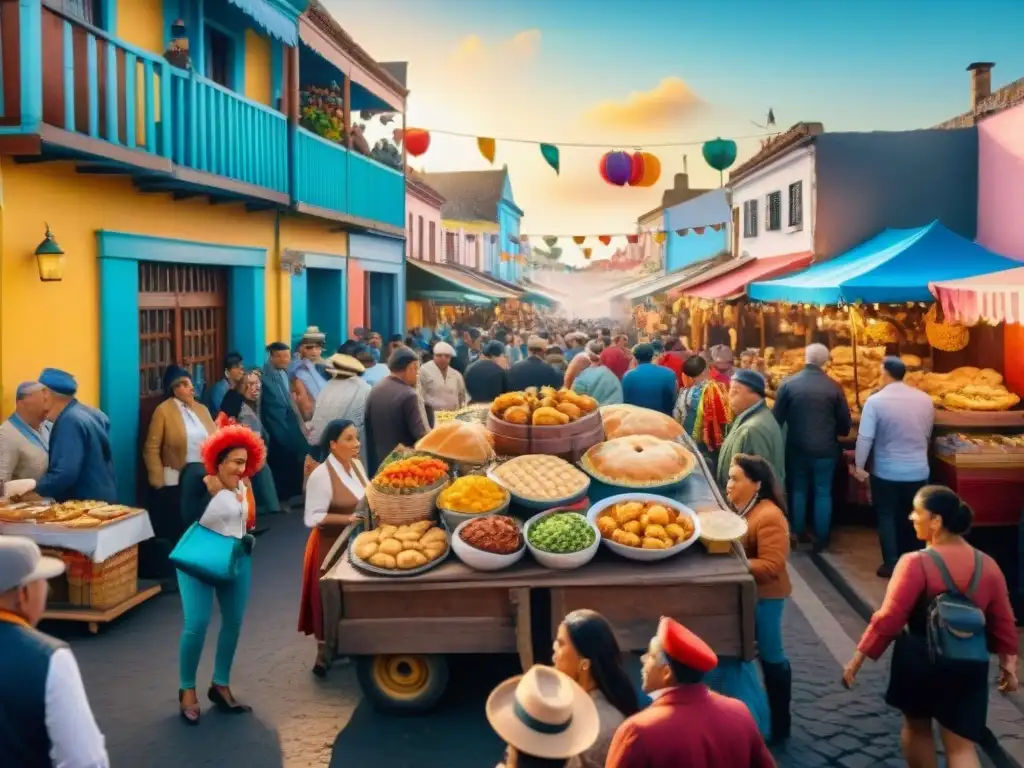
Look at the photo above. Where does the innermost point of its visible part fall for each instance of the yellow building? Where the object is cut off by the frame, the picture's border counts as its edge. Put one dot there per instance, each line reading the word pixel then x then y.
pixel 195 214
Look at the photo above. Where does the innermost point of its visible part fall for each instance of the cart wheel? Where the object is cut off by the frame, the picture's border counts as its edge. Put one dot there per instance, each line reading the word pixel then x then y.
pixel 405 682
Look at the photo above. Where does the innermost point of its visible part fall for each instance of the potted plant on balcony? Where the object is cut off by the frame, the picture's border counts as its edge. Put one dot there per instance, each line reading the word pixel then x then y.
pixel 323 112
pixel 386 153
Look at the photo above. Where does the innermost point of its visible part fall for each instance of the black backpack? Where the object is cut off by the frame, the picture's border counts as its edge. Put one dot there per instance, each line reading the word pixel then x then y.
pixel 956 626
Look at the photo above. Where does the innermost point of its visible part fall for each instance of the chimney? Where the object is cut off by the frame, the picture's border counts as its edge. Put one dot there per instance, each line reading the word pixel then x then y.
pixel 981 82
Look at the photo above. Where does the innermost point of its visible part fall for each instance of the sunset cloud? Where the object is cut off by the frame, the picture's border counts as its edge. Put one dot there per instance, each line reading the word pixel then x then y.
pixel 472 48
pixel 662 107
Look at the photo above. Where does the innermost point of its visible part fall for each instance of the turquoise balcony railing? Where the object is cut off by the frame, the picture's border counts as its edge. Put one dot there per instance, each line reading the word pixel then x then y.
pixel 321 178
pixel 334 179
pixel 220 132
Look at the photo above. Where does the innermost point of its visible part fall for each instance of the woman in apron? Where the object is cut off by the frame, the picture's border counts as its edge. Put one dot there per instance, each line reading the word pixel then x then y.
pixel 335 494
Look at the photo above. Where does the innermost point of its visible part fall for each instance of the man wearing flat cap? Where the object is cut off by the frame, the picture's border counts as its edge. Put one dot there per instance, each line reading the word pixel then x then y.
pixel 25 436
pixel 81 461
pixel 754 429
pixel 344 397
pixel 441 386
pixel 686 724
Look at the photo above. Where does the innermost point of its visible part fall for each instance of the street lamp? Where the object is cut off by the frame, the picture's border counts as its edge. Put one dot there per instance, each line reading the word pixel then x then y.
pixel 50 258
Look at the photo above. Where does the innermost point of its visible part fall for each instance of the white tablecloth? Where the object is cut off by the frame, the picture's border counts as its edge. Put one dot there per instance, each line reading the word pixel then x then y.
pixel 96 543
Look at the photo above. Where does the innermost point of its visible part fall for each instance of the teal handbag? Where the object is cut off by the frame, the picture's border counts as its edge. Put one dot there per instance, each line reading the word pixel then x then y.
pixel 207 555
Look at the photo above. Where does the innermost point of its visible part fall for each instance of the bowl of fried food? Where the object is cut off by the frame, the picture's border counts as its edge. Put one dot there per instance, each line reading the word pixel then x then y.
pixel 400 550
pixel 489 543
pixel 644 526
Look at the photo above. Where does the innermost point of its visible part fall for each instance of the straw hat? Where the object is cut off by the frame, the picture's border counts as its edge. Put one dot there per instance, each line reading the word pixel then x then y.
pixel 343 366
pixel 543 713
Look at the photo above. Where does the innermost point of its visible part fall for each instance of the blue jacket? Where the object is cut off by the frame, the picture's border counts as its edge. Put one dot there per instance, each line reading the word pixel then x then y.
pixel 650 386
pixel 81 466
pixel 278 415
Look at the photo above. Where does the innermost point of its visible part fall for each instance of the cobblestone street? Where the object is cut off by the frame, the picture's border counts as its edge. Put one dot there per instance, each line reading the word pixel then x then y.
pixel 130 672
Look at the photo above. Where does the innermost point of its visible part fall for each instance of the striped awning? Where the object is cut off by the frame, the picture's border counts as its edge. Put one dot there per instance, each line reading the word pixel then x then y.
pixel 280 18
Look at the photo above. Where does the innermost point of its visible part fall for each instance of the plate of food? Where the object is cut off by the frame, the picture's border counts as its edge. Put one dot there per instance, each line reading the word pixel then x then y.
pixel 561 539
pixel 471 496
pixel 400 550
pixel 640 462
pixel 719 529
pixel 540 481
pixel 644 526
pixel 489 543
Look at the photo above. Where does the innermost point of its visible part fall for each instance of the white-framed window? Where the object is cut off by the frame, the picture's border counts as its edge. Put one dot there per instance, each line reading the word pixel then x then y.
pixel 796 204
pixel 750 218
pixel 773 212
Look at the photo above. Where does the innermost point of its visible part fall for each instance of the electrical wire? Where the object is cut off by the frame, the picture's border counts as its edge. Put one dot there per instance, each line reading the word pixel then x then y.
pixel 605 145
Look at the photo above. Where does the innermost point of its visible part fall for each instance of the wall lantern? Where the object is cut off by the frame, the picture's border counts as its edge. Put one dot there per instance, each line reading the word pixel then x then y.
pixel 50 258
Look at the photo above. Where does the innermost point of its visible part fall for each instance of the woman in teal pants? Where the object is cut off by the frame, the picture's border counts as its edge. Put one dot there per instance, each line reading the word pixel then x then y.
pixel 221 501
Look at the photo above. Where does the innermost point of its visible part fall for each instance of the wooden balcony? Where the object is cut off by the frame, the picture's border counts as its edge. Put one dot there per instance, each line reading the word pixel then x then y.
pixel 337 183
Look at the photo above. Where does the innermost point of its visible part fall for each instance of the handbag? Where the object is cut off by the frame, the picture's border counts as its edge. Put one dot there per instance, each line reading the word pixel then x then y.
pixel 207 555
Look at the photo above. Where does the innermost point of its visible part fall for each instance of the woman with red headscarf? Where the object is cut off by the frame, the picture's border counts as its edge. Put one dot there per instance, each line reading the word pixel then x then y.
pixel 616 360
pixel 222 502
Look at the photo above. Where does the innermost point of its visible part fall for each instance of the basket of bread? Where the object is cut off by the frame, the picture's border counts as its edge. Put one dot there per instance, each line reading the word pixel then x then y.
pixel 545 421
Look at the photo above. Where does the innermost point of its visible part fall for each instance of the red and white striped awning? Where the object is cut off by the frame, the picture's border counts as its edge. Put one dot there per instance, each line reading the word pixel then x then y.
pixel 997 297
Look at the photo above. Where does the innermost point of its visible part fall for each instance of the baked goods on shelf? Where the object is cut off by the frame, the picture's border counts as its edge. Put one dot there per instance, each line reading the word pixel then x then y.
pixel 646 525
pixel 980 398
pixel 472 494
pixel 411 475
pixel 639 461
pixel 402 547
pixel 458 441
pixel 626 420
pixel 539 477
pixel 959 443
pixel 546 407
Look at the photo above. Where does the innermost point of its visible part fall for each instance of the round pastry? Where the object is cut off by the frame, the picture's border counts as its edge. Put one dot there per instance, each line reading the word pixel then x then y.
pixel 541 477
pixel 639 461
pixel 626 420
pixel 458 441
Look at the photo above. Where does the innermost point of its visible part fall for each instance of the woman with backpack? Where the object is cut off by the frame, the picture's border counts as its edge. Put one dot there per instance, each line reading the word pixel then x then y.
pixel 953 604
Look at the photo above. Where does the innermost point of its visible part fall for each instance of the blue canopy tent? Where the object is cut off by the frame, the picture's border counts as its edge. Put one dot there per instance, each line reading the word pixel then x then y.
pixel 894 266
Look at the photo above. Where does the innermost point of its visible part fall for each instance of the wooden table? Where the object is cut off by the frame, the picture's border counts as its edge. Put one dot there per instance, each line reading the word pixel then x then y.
pixel 94 617
pixel 387 622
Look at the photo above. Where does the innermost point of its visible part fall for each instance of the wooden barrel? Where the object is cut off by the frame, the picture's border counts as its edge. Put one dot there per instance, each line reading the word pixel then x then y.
pixel 568 441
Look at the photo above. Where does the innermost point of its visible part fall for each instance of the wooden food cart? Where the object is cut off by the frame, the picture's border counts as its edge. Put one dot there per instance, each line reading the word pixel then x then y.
pixel 400 630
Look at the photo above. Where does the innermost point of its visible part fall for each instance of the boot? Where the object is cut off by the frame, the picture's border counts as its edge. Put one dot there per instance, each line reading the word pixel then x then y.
pixel 778 683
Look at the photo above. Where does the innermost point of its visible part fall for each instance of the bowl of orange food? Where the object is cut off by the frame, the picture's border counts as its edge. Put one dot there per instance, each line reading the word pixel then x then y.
pixel 645 526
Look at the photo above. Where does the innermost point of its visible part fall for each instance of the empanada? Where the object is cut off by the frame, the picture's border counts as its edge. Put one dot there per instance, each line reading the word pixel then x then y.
pixel 410 558
pixel 422 526
pixel 652 543
pixel 366 536
pixel 407 545
pixel 433 551
pixel 434 534
pixel 366 550
pixel 382 560
pixel 390 547
pixel 408 535
pixel 387 531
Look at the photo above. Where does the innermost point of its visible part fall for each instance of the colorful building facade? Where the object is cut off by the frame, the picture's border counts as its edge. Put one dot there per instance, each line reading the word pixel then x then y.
pixel 198 208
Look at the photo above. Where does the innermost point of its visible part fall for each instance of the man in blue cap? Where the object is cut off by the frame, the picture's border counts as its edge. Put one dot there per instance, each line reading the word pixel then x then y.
pixel 754 429
pixel 81 465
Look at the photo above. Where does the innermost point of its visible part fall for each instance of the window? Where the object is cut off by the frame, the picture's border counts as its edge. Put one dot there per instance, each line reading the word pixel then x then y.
pixel 796 204
pixel 450 247
pixel 750 218
pixel 89 11
pixel 410 253
pixel 773 209
pixel 220 57
pixel 419 251
pixel 433 241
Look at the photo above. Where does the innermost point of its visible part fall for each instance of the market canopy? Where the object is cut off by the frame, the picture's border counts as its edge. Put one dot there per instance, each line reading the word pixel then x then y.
pixel 450 285
pixel 637 292
pixel 994 298
pixel 733 283
pixel 895 266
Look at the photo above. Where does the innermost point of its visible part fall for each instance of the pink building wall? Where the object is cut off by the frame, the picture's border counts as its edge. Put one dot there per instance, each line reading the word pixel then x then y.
pixel 419 215
pixel 1001 182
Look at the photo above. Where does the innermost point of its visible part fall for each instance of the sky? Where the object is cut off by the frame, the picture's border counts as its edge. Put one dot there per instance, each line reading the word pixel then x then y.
pixel 633 75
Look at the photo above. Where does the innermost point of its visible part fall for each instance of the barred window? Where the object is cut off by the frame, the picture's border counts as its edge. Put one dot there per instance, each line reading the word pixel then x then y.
pixel 750 218
pixel 796 204
pixel 773 208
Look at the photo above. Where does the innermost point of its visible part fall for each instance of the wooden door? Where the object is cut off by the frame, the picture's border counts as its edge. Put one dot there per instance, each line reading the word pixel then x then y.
pixel 735 232
pixel 183 321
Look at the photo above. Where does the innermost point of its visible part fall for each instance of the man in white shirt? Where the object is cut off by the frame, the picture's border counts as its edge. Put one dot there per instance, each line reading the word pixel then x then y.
pixel 45 718
pixel 440 385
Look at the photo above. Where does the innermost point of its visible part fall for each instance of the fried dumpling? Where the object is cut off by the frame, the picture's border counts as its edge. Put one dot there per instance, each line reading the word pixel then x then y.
pixel 410 558
pixel 652 543
pixel 382 560
pixel 390 547
pixel 366 550
pixel 434 534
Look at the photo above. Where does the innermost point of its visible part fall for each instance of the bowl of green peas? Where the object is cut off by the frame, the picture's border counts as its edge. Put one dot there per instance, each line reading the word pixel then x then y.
pixel 561 540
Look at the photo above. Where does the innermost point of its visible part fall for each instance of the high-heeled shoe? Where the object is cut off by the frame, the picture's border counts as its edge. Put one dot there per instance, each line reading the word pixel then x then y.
pixel 220 701
pixel 190 715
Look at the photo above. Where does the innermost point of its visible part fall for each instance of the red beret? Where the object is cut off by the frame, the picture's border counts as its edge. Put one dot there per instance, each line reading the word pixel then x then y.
pixel 681 645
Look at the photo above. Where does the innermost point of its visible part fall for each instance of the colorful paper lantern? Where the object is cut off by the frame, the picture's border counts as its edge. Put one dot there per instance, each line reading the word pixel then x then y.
pixel 719 153
pixel 417 141
pixel 645 170
pixel 616 168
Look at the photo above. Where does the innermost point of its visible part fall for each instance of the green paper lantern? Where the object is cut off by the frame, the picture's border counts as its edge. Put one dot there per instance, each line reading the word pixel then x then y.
pixel 719 153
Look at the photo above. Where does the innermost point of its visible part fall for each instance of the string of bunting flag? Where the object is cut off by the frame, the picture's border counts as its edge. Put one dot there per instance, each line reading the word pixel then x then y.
pixel 639 168
pixel 631 238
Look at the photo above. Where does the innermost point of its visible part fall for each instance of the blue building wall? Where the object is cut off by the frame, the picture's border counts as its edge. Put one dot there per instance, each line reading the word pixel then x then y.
pixel 867 182
pixel 509 218
pixel 684 250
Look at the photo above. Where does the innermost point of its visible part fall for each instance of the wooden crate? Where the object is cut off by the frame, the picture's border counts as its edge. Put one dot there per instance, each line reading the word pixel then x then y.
pixel 102 585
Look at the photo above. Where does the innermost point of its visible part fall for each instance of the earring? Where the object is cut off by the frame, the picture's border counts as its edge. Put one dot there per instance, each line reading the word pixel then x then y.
pixel 585 665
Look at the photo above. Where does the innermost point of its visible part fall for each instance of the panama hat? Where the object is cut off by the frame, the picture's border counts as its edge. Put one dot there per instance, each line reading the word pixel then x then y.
pixel 343 366
pixel 543 713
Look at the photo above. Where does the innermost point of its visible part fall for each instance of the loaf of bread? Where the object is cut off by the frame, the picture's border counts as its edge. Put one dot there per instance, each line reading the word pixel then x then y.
pixel 460 441
pixel 626 420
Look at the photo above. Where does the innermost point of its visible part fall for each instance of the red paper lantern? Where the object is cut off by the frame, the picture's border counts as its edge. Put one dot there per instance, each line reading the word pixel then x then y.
pixel 616 168
pixel 645 170
pixel 417 141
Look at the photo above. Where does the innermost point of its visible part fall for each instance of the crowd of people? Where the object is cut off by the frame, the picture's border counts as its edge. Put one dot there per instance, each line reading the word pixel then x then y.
pixel 309 429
